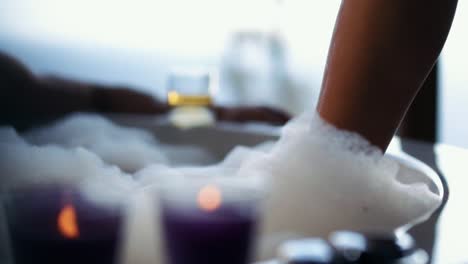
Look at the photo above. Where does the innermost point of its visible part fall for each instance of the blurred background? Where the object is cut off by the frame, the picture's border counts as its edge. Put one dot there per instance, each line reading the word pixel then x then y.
pixel 259 51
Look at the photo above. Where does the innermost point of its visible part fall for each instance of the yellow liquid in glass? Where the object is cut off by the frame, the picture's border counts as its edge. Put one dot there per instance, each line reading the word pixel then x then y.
pixel 176 99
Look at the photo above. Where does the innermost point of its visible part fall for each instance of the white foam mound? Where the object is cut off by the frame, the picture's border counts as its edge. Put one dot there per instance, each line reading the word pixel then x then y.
pixel 323 179
pixel 23 164
pixel 129 148
pixel 320 179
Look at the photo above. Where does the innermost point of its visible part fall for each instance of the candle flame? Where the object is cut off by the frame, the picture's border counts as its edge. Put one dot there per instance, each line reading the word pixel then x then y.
pixel 67 222
pixel 209 198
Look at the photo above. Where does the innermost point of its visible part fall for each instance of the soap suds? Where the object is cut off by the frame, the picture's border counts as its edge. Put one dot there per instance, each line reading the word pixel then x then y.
pixel 319 178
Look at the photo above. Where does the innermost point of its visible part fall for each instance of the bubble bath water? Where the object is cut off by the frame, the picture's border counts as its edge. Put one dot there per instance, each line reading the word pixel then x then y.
pixel 320 178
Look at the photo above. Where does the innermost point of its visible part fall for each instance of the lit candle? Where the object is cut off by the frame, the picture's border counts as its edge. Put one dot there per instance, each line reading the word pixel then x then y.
pixel 211 229
pixel 54 225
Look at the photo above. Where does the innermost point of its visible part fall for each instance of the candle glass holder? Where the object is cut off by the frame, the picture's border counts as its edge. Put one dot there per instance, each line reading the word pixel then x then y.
pixel 56 224
pixel 210 219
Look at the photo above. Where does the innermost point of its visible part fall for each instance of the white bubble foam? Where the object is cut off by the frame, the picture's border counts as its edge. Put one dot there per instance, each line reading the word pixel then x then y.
pixel 24 164
pixel 320 179
pixel 131 149
pixel 323 179
pixel 89 151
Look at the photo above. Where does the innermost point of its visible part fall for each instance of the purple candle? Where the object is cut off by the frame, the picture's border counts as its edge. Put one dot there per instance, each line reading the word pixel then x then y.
pixel 53 225
pixel 211 229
